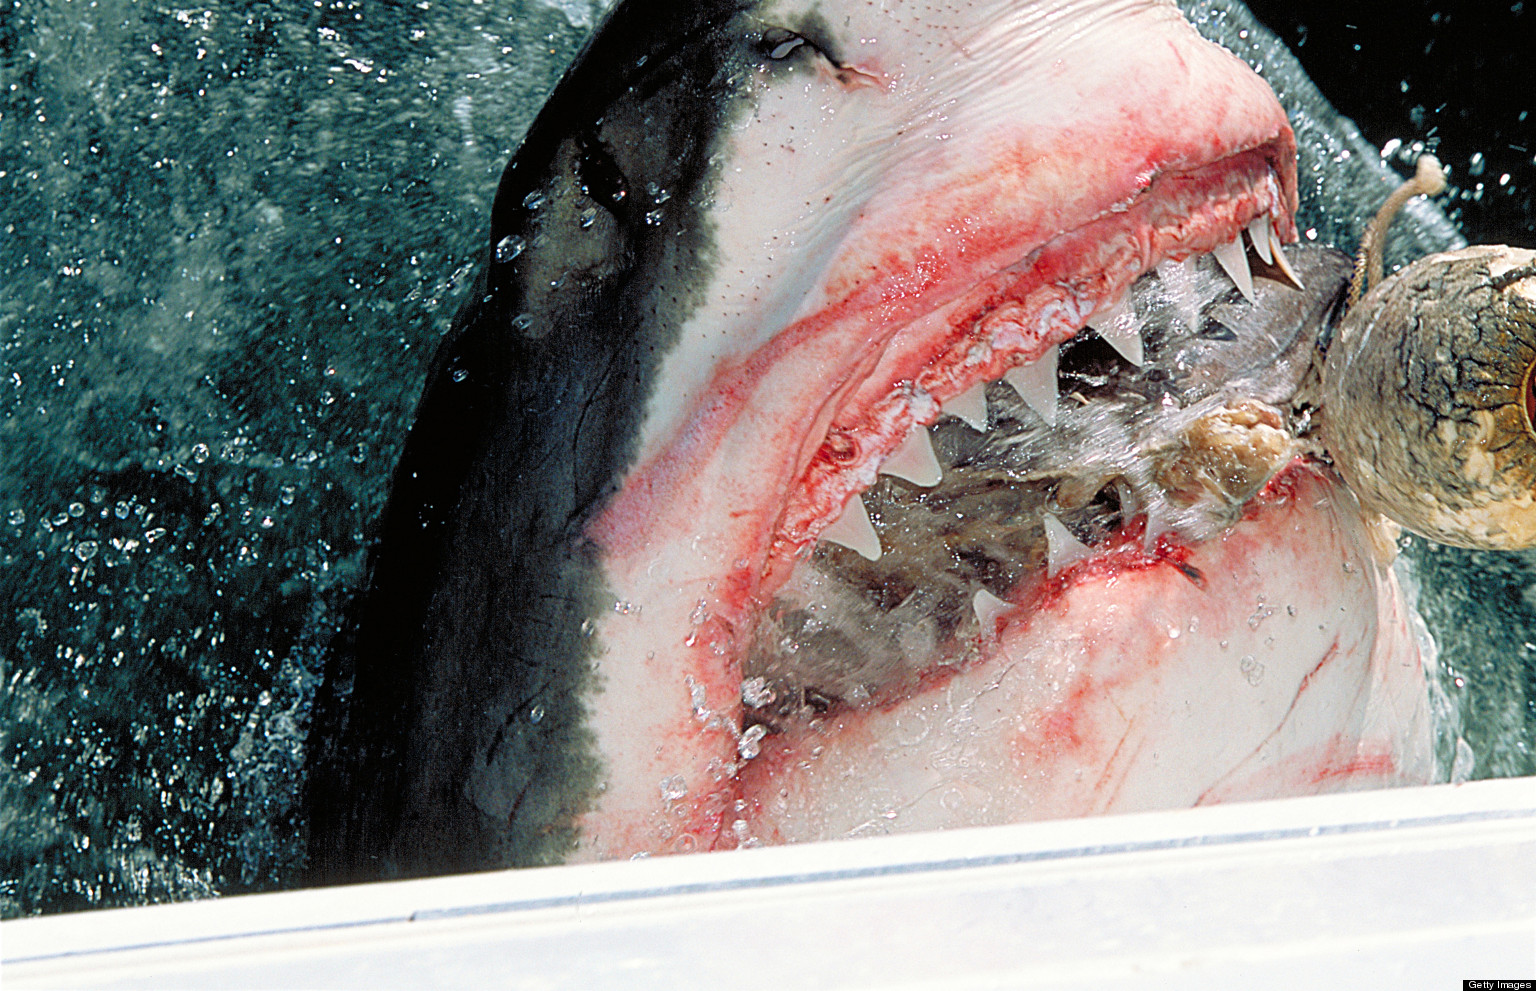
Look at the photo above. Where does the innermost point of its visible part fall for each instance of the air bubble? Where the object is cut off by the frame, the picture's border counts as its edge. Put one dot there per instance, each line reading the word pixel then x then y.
pixel 536 714
pixel 534 200
pixel 587 217
pixel 85 550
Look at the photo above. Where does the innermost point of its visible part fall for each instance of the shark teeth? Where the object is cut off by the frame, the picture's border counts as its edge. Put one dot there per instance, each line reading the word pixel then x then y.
pixel 1283 264
pixel 914 461
pixel 1062 550
pixel 1117 325
pixel 1036 384
pixel 1260 235
pixel 1234 261
pixel 989 608
pixel 854 531
pixel 970 406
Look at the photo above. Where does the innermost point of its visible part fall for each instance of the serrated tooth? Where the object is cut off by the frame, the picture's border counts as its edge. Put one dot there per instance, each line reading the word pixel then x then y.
pixel 1258 233
pixel 915 461
pixel 854 531
pixel 1061 548
pixel 1117 325
pixel 970 406
pixel 1036 384
pixel 1283 264
pixel 1234 261
pixel 988 609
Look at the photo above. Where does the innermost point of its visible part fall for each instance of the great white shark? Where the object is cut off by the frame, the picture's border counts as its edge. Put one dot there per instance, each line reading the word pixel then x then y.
pixel 742 507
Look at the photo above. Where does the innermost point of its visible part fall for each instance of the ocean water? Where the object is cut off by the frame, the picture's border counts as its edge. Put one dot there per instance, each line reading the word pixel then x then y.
pixel 230 237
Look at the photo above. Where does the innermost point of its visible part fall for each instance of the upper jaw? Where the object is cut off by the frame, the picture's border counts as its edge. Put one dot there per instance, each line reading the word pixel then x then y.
pixel 1012 320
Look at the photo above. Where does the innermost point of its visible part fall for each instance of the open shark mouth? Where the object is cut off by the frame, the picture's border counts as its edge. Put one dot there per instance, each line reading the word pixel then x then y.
pixel 795 500
pixel 1105 577
pixel 1108 580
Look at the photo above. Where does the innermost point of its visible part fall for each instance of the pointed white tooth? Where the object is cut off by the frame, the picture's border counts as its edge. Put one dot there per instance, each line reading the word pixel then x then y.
pixel 1283 263
pixel 1234 261
pixel 1117 325
pixel 970 406
pixel 914 461
pixel 988 609
pixel 1061 548
pixel 1159 522
pixel 1036 384
pixel 1258 233
pixel 1130 505
pixel 854 531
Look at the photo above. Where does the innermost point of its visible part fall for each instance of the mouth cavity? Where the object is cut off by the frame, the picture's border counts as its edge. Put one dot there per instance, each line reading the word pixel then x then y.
pixel 1149 429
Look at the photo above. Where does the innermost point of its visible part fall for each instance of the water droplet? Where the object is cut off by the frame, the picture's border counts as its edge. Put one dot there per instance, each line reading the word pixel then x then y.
pixel 509 247
pixel 459 374
pixel 756 693
pixel 751 741
pixel 524 324
pixel 534 200
pixel 536 714
pixel 587 217
pixel 673 788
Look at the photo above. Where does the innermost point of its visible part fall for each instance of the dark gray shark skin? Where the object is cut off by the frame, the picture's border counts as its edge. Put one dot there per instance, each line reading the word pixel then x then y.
pixel 479 588
pixel 451 733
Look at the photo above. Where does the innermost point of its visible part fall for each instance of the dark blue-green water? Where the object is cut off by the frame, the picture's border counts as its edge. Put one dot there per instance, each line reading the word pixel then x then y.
pixel 230 237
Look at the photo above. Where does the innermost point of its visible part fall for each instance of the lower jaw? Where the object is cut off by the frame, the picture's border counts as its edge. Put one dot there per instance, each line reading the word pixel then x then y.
pixel 1288 666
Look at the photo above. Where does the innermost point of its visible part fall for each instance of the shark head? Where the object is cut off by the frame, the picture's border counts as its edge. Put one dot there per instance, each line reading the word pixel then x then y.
pixel 750 256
